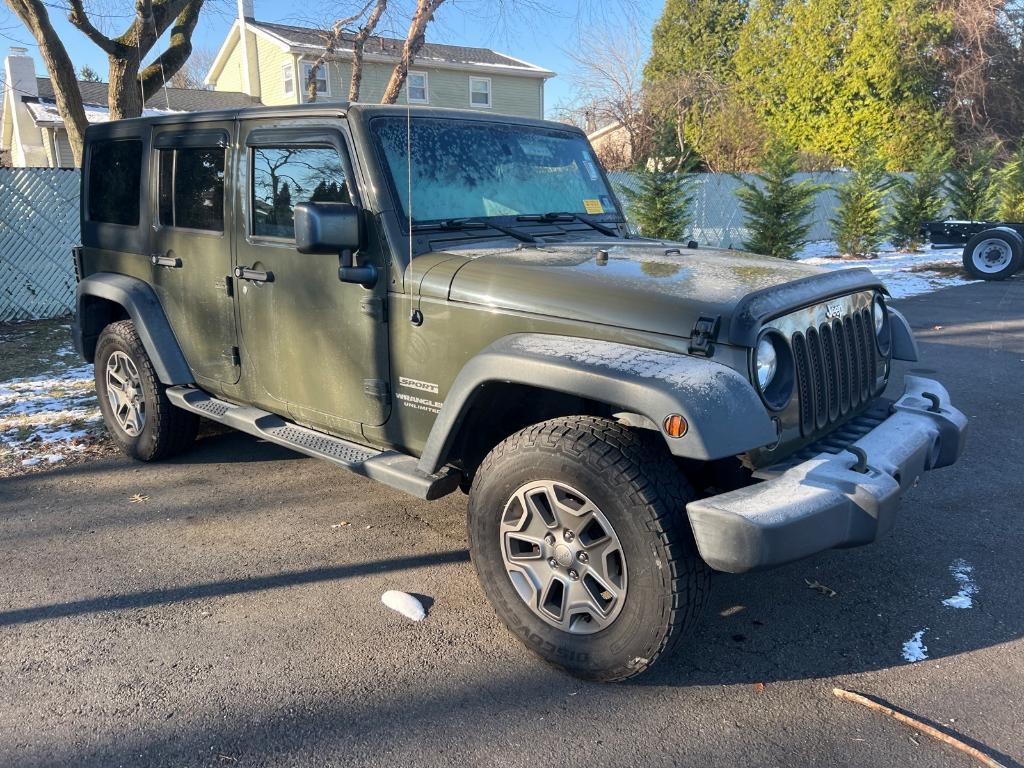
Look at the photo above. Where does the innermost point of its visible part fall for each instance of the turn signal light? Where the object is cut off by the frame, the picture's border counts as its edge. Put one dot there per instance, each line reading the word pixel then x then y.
pixel 675 425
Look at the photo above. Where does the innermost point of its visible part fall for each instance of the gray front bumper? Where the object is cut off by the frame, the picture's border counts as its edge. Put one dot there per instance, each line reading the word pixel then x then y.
pixel 825 502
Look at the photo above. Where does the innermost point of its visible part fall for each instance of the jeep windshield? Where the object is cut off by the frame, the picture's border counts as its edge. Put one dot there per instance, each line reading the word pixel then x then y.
pixel 465 171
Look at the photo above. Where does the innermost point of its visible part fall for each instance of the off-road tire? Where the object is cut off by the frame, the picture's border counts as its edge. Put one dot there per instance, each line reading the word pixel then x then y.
pixel 631 477
pixel 1007 242
pixel 167 430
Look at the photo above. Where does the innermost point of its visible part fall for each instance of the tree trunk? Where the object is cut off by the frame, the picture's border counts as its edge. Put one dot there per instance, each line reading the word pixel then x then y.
pixel 124 95
pixel 62 71
pixel 413 43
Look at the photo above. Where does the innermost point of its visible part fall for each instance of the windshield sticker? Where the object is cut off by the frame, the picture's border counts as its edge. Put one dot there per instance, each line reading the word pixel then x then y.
pixel 591 168
pixel 606 202
pixel 593 206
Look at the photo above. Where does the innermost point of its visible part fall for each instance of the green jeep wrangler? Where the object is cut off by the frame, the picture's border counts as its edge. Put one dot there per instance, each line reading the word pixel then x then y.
pixel 438 299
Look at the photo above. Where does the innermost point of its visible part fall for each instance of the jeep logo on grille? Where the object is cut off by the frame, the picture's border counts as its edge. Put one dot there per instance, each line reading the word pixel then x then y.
pixel 834 311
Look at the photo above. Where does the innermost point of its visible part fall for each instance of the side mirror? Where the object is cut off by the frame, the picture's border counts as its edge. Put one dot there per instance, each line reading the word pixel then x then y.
pixel 334 228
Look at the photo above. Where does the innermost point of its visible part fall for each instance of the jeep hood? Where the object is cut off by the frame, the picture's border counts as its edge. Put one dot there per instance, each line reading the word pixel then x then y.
pixel 639 285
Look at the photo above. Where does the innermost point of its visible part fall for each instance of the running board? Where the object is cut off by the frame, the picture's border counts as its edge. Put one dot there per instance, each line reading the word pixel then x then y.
pixel 397 470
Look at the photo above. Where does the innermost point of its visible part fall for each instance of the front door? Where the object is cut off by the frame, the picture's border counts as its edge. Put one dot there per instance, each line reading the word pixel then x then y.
pixel 317 347
pixel 191 247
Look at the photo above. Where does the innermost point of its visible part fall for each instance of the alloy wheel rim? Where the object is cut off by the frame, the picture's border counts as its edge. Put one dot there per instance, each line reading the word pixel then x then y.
pixel 125 395
pixel 992 255
pixel 563 557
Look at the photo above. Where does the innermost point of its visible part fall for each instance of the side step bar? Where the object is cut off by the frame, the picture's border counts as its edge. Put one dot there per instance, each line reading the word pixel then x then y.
pixel 397 470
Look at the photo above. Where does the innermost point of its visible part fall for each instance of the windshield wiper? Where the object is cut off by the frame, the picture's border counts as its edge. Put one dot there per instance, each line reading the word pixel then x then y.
pixel 462 224
pixel 554 216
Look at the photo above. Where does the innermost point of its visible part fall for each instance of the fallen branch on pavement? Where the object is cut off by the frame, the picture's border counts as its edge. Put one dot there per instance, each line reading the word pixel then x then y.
pixel 913 722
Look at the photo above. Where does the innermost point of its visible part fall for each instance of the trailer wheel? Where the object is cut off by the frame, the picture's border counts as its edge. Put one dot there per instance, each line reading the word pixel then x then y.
pixel 994 254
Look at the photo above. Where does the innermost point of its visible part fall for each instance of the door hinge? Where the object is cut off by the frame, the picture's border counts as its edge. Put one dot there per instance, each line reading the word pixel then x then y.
pixel 377 389
pixel 229 285
pixel 236 357
pixel 703 336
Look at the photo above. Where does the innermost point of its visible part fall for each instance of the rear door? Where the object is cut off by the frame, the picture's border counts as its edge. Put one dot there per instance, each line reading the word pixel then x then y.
pixel 191 246
pixel 318 346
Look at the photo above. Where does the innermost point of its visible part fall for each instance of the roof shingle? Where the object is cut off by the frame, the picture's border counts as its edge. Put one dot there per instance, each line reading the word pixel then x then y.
pixel 389 46
pixel 174 99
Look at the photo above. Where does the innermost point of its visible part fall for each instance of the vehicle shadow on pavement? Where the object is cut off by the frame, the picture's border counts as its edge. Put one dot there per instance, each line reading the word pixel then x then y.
pixel 148 598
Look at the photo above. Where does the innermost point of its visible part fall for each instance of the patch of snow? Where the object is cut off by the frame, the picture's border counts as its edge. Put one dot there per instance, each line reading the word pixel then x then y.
pixel 962 571
pixel 405 604
pixel 55 410
pixel 915 649
pixel 904 273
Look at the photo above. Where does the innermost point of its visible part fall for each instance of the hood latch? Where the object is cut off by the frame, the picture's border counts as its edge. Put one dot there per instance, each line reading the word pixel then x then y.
pixel 703 336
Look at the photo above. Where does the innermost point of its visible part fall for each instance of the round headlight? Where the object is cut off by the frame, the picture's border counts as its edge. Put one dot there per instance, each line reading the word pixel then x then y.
pixel 878 312
pixel 881 318
pixel 766 362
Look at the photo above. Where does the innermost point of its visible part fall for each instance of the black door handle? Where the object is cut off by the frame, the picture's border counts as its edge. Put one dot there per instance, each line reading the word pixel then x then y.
pixel 255 275
pixel 159 260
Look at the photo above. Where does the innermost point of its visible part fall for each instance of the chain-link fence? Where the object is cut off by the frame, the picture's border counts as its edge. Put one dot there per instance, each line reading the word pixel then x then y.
pixel 718 219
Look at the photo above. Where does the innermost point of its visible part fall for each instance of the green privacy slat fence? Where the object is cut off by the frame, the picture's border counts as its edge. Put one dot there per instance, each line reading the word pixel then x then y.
pixel 38 227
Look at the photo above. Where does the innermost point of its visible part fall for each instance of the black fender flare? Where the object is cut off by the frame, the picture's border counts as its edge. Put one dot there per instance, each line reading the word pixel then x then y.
pixel 904 345
pixel 724 413
pixel 140 302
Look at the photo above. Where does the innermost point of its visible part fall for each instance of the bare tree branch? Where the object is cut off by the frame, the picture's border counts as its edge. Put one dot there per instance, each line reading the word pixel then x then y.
pixel 358 43
pixel 330 45
pixel 414 41
pixel 62 71
pixel 155 76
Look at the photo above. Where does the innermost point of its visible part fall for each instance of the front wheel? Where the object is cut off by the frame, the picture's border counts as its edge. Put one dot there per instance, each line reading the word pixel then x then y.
pixel 994 254
pixel 578 532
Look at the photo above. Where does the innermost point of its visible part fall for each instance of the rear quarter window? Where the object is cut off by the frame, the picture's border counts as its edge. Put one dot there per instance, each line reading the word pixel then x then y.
pixel 115 180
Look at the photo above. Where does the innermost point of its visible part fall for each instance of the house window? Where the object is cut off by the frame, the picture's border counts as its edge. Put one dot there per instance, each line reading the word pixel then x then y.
pixel 115 181
pixel 289 79
pixel 191 193
pixel 283 177
pixel 416 85
pixel 323 86
pixel 480 91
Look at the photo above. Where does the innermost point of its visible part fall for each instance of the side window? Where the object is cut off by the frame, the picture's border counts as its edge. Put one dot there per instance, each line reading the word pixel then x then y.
pixel 416 84
pixel 283 177
pixel 480 91
pixel 191 193
pixel 115 180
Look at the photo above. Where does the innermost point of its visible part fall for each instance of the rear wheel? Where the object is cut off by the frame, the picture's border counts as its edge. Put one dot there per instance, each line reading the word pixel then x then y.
pixel 994 254
pixel 134 403
pixel 578 532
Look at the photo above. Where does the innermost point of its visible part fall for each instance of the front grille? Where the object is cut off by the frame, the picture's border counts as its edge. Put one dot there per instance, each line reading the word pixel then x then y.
pixel 835 369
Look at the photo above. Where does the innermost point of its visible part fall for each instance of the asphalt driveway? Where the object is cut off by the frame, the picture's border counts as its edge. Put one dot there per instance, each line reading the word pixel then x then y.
pixel 228 616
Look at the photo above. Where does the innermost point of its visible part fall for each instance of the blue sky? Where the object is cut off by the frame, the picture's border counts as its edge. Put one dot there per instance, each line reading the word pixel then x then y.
pixel 539 32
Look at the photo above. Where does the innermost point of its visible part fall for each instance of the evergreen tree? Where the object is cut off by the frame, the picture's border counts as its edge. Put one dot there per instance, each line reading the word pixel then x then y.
pixel 695 36
pixel 918 198
pixel 661 206
pixel 972 186
pixel 1011 180
pixel 859 225
pixel 88 74
pixel 776 204
pixel 832 75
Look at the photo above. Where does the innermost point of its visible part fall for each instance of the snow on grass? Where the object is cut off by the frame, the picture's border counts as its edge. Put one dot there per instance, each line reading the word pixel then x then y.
pixel 915 649
pixel 962 571
pixel 904 273
pixel 43 417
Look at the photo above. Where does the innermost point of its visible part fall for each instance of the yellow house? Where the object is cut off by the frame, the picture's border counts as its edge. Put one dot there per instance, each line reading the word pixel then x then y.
pixel 271 63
